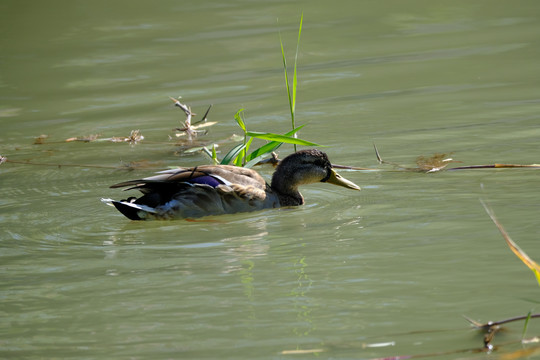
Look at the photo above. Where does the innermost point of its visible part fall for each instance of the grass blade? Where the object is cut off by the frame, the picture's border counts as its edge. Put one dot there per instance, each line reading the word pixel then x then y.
pixel 232 154
pixel 241 158
pixel 292 99
pixel 293 106
pixel 214 155
pixel 280 138
pixel 286 77
pixel 271 146
pixel 255 160
pixel 239 120
pixel 535 268
pixel 526 325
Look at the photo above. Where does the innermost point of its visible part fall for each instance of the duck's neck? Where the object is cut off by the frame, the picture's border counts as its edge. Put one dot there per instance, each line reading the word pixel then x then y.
pixel 285 189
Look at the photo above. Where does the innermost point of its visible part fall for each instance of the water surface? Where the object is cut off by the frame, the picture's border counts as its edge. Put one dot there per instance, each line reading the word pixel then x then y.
pixel 384 272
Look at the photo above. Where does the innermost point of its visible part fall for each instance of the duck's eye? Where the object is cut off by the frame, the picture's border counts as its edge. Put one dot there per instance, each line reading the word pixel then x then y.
pixel 328 174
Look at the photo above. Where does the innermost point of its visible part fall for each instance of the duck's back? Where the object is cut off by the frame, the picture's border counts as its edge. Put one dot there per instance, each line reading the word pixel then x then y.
pixel 196 192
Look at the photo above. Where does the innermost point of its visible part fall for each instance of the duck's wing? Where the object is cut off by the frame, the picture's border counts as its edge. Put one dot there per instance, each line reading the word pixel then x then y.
pixel 212 175
pixel 195 192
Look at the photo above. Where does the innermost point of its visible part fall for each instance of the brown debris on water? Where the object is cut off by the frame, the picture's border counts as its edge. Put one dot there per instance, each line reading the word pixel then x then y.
pixel 440 161
pixel 493 327
pixel 134 137
pixel 191 130
pixel 86 138
pixel 40 139
pixel 436 162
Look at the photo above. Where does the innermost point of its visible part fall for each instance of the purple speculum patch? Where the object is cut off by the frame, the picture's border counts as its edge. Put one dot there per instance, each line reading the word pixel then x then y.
pixel 205 179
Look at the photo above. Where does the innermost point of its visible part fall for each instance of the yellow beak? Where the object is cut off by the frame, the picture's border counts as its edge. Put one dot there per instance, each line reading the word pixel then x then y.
pixel 337 179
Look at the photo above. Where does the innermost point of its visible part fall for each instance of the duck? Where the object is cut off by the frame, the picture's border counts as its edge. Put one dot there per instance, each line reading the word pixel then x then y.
pixel 185 193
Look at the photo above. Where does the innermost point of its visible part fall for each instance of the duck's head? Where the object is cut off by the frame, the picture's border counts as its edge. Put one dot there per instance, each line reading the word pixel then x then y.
pixel 306 167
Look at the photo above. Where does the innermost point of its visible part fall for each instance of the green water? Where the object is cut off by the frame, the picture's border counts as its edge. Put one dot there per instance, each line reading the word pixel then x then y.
pixel 388 271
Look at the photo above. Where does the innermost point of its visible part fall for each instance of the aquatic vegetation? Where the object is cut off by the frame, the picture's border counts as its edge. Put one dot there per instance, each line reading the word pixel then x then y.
pixel 240 156
pixel 292 98
pixel 530 263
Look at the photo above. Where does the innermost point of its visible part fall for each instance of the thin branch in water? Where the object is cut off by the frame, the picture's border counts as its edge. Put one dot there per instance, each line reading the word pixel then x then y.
pixel 184 108
pixel 347 167
pixel 438 162
pixel 204 118
pixel 492 327
pixel 194 130
pixel 381 161
pixel 190 129
pixel 87 138
pixel 495 166
pixel 187 123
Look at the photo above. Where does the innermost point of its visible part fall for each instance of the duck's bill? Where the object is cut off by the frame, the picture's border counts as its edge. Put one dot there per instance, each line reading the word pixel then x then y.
pixel 337 179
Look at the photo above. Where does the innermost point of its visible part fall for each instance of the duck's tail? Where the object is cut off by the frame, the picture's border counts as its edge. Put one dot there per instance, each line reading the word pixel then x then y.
pixel 131 210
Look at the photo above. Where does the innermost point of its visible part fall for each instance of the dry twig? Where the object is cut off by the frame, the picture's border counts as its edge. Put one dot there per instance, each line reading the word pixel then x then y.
pixel 189 129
